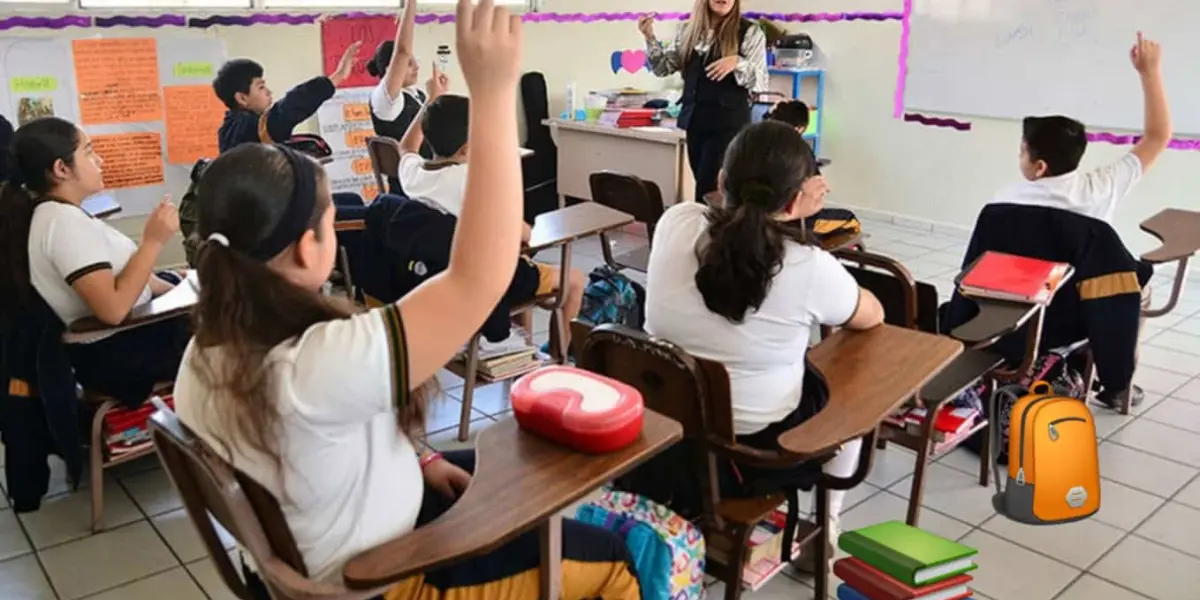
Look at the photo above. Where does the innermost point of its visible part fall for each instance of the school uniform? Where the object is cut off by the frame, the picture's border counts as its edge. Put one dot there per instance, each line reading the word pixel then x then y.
pixel 1092 193
pixel 351 480
pixel 713 112
pixel 66 244
pixel 276 124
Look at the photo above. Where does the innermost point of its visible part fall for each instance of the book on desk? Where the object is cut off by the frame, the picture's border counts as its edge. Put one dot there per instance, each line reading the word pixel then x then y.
pixel 1001 276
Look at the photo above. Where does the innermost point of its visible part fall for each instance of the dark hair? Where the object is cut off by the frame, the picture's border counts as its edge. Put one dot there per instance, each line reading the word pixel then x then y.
pixel 792 112
pixel 764 168
pixel 235 76
pixel 35 149
pixel 1057 141
pixel 383 55
pixel 445 124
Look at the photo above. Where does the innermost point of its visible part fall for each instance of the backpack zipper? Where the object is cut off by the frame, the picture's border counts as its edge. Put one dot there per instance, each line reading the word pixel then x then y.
pixel 1054 432
pixel 1024 416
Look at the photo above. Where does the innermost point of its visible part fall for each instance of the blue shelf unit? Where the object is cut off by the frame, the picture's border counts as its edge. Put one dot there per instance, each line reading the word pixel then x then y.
pixel 797 77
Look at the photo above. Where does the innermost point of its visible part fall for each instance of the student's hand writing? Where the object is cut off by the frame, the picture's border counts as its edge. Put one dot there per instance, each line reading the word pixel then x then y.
pixel 722 67
pixel 1146 55
pixel 346 65
pixel 162 224
pixel 489 42
pixel 646 26
pixel 449 480
pixel 438 83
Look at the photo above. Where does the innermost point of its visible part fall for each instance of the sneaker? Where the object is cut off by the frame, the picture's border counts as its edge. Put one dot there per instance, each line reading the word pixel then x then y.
pixel 1113 401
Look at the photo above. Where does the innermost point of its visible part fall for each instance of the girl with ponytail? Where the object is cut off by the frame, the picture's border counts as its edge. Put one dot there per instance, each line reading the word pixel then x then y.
pixel 727 284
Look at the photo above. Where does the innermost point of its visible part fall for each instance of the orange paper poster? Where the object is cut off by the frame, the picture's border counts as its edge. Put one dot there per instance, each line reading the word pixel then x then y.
pixel 117 80
pixel 130 159
pixel 193 116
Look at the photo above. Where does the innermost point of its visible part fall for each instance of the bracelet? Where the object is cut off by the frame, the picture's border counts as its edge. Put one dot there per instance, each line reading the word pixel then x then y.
pixel 429 459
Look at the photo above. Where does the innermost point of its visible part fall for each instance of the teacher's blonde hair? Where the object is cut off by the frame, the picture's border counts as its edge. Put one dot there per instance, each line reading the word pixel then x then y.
pixel 725 31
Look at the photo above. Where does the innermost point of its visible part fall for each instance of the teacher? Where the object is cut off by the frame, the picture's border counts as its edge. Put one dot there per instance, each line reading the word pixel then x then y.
pixel 723 60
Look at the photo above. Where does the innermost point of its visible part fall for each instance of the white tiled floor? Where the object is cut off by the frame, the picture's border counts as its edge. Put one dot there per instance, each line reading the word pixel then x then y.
pixel 1144 543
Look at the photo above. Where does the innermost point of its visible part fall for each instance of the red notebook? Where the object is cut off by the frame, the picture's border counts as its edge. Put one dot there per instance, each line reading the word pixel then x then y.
pixel 876 585
pixel 1017 278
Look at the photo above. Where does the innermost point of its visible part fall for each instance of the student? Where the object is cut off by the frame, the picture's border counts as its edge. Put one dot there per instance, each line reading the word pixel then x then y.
pixel 397 98
pixel 83 267
pixel 253 117
pixel 320 404
pixel 727 284
pixel 723 60
pixel 6 134
pixel 792 112
pixel 1051 148
pixel 441 184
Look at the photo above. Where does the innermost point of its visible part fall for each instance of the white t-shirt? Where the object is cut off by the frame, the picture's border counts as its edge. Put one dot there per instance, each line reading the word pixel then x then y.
pixel 66 243
pixel 353 480
pixel 764 355
pixel 1094 193
pixel 442 186
pixel 387 108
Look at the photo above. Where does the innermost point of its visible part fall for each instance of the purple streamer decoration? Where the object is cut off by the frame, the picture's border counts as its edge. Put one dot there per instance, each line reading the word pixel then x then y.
pixel 902 60
pixel 45 22
pixel 827 17
pixel 254 19
pixel 936 121
pixel 142 21
pixel 445 18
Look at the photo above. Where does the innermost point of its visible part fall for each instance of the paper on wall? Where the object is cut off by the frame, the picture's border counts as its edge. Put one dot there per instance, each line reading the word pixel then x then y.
pixel 345 122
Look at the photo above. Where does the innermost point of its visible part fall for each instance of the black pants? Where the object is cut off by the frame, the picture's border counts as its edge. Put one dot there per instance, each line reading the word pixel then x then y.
pixel 706 146
pixel 125 366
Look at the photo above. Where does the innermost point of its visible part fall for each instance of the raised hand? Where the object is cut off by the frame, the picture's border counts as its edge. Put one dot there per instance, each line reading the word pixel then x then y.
pixel 438 83
pixel 1146 55
pixel 645 25
pixel 163 223
pixel 346 65
pixel 489 42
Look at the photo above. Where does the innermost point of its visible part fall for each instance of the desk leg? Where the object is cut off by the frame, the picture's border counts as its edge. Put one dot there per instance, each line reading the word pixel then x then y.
pixel 550 584
pixel 821 556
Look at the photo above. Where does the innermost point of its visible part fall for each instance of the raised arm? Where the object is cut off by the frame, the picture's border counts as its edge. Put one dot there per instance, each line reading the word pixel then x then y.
pixel 444 312
pixel 414 136
pixel 664 60
pixel 1146 56
pixel 402 51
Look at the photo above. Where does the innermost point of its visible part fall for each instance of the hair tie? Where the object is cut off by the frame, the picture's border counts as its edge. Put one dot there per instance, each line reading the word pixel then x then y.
pixel 755 192
pixel 219 239
pixel 15 177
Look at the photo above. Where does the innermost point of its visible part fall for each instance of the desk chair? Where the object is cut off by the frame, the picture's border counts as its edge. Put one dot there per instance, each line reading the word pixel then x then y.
pixel 914 305
pixel 696 393
pixel 385 155
pixel 349 233
pixel 633 195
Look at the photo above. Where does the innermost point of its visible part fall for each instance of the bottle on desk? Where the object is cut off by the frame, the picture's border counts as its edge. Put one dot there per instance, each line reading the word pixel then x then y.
pixel 571 103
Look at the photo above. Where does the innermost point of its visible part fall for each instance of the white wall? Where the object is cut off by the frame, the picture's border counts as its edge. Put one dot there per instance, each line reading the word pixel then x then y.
pixel 879 163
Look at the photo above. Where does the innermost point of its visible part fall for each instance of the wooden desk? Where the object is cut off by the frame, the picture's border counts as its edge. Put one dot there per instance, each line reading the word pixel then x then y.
pixel 653 153
pixel 874 371
pixel 178 301
pixel 572 223
pixel 521 482
pixel 1179 230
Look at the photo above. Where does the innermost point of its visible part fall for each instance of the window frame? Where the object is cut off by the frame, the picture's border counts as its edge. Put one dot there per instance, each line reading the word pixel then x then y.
pixel 77 7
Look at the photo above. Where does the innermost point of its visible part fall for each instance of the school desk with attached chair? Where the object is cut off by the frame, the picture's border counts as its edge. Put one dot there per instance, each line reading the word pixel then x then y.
pixel 385 153
pixel 175 303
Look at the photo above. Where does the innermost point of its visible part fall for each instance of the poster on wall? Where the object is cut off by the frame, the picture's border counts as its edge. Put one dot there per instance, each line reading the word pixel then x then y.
pixel 338 33
pixel 147 104
pixel 345 122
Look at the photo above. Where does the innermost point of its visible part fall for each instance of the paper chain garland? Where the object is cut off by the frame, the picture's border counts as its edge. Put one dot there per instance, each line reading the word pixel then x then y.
pixel 177 20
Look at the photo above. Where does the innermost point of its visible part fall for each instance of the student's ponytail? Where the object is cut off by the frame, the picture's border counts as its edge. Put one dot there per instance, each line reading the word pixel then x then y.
pixel 764 169
pixel 743 252
pixel 16 213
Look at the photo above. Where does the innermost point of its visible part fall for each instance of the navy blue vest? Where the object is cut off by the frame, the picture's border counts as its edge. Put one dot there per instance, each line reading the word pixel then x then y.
pixel 712 104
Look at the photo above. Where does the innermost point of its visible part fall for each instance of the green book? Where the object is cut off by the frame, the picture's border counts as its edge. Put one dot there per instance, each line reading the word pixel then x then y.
pixel 912 556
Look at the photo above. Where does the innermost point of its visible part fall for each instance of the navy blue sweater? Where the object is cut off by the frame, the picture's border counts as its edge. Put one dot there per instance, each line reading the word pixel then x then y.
pixel 275 125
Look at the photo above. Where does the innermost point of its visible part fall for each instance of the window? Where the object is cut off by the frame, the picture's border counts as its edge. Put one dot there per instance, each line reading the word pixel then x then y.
pixel 342 4
pixel 164 3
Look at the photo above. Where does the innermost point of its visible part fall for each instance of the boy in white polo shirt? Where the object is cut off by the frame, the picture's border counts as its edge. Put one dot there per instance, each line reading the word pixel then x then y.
pixel 1051 148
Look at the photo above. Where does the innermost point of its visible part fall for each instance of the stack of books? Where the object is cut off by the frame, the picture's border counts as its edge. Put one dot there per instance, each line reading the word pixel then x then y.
pixel 764 550
pixel 507 359
pixel 893 561
pixel 127 431
pixel 1012 278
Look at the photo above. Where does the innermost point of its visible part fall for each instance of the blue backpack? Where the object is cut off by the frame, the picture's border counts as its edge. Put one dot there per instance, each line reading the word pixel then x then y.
pixel 667 550
pixel 611 297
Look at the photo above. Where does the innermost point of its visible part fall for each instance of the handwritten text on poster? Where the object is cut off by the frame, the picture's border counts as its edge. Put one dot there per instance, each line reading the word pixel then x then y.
pixel 117 80
pixel 130 159
pixel 338 33
pixel 193 115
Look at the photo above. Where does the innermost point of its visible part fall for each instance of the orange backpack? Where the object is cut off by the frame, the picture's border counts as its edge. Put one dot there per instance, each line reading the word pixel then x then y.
pixel 1053 460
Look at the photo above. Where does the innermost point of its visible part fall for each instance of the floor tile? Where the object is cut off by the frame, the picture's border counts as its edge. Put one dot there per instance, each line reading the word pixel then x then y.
pixel 1189 392
pixel 1078 544
pixel 3 484
pixel 210 580
pixel 961 459
pixel 780 587
pixel 890 507
pixel 953 493
pixel 1179 342
pixel 1158 381
pixel 1189 326
pixel 106 560
pixel 443 413
pixel 23 578
pixel 488 399
pixel 177 580
pixel 891 465
pixel 12 538
pixel 1151 569
pixel 1169 360
pixel 153 492
pixel 1177 413
pixel 69 517
pixel 445 441
pixel 1190 495
pixel 177 529
pixel 1161 440
pixel 1174 525
pixel 999 560
pixel 1125 507
pixel 1143 471
pixel 1092 588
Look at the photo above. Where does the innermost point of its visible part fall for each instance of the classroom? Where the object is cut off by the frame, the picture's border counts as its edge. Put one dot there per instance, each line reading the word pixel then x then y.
pixel 982 207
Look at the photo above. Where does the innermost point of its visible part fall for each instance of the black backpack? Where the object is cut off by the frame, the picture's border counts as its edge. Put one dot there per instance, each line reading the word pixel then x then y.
pixel 189 214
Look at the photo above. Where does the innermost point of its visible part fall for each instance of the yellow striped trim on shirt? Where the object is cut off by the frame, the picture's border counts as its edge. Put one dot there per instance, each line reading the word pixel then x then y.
pixel 397 352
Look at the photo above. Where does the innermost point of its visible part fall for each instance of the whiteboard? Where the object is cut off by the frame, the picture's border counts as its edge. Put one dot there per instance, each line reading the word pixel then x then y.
pixel 1014 58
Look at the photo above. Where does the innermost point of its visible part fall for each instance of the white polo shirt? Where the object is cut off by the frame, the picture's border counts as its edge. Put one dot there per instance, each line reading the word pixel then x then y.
pixel 764 354
pixel 66 243
pixel 351 480
pixel 442 186
pixel 387 108
pixel 1094 193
